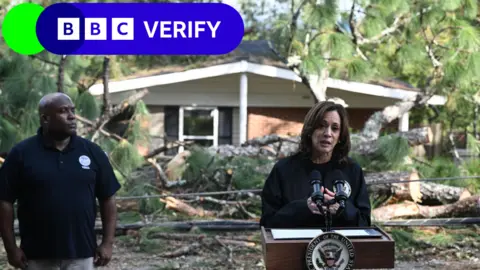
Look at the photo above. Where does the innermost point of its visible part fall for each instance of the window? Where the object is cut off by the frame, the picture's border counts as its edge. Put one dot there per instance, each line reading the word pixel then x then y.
pixel 199 125
pixel 206 126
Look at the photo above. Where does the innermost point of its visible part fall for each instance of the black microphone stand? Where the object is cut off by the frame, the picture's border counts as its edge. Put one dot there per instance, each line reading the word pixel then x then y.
pixel 328 216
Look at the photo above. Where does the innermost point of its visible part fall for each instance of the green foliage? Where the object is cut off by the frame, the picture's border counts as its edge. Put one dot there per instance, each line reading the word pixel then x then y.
pixel 211 172
pixel 403 239
pixel 139 124
pixel 87 106
pixel 473 145
pixel 438 167
pixel 245 172
pixel 390 154
pixel 125 156
pixel 8 135
pixel 470 168
pixel 392 35
pixel 442 167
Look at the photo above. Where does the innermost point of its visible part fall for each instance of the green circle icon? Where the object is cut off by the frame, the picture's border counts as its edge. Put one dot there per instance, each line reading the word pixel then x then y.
pixel 19 28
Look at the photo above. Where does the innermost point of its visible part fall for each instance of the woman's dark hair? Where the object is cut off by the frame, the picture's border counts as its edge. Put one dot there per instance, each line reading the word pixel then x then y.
pixel 313 120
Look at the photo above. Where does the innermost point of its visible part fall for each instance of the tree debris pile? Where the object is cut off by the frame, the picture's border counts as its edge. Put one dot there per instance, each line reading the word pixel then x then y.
pixel 392 179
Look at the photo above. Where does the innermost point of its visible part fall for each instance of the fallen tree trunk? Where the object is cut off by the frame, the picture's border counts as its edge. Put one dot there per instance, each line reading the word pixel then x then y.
pixel 387 193
pixel 438 194
pixel 278 146
pixel 424 193
pixel 463 208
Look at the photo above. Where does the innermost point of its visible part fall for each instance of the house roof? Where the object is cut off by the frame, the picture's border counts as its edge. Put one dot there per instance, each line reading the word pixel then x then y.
pixel 257 57
pixel 252 51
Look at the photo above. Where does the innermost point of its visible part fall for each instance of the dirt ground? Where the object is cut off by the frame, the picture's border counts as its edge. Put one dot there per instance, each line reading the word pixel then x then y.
pixel 136 254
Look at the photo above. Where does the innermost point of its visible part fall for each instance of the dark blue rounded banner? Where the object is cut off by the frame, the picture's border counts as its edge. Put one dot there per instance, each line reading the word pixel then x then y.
pixel 140 28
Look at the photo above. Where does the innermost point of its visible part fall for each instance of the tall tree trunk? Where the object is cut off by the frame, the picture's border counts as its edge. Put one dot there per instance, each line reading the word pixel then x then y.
pixel 61 74
pixel 106 91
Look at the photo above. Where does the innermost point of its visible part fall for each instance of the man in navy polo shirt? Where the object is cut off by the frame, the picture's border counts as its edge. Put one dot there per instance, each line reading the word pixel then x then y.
pixel 55 177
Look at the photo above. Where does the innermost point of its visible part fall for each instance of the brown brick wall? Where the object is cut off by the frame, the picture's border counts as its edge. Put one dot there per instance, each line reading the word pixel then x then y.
pixel 285 121
pixel 282 121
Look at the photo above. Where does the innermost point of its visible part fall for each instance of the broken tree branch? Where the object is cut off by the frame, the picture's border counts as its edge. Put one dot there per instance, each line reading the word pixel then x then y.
pixel 101 130
pixel 184 250
pixel 160 174
pixel 164 148
pixel 116 110
pixel 182 207
pixel 467 207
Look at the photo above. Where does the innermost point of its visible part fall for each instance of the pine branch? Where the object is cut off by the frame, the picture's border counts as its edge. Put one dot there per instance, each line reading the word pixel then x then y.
pixel 44 60
pixel 358 39
pixel 294 25
pixel 314 38
pixel 10 118
pixel 356 36
pixel 435 62
pixel 397 23
pixel 316 84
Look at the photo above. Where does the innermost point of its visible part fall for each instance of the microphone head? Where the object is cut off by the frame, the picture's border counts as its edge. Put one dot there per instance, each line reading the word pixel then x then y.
pixel 341 182
pixel 332 177
pixel 315 177
pixel 336 175
pixel 339 185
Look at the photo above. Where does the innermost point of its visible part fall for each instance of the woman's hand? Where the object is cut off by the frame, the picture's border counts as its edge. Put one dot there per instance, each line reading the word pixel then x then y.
pixel 328 196
pixel 312 206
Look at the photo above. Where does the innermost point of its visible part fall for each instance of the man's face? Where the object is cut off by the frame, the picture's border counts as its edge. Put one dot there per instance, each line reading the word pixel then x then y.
pixel 61 117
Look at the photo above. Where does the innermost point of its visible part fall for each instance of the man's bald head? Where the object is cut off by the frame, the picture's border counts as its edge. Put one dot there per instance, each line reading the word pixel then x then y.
pixel 57 115
pixel 52 99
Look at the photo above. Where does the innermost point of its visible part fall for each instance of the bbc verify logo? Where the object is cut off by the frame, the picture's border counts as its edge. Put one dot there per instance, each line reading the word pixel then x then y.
pixel 140 28
pixel 95 29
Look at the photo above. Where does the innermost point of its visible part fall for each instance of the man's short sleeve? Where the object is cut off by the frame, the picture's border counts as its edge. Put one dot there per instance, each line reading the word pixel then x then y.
pixel 10 176
pixel 107 184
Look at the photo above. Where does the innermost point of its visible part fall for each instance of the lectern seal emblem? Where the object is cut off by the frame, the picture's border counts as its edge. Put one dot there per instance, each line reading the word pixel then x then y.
pixel 330 251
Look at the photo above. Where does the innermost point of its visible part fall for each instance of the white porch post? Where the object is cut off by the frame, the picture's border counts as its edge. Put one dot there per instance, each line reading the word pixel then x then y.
pixel 243 108
pixel 403 122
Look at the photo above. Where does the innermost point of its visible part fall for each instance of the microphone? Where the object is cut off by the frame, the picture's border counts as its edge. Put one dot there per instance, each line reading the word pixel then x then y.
pixel 316 182
pixel 339 184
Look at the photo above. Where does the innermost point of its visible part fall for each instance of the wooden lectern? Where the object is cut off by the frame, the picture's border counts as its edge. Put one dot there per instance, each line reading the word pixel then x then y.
pixel 370 252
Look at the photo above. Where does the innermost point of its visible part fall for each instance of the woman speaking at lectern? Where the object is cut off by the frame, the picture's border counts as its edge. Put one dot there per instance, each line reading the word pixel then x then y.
pixel 324 147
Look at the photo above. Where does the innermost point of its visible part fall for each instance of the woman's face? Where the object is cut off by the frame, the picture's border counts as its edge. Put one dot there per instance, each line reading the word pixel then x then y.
pixel 326 136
